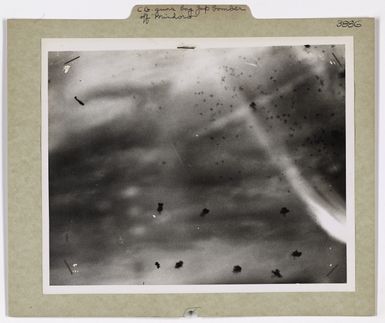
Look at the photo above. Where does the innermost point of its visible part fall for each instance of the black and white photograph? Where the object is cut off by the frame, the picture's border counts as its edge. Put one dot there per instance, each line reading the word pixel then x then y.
pixel 198 165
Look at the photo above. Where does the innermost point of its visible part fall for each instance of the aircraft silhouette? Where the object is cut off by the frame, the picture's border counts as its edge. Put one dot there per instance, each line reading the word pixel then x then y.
pixel 276 273
pixel 204 212
pixel 284 211
pixel 179 264
pixel 253 106
pixel 296 253
pixel 237 269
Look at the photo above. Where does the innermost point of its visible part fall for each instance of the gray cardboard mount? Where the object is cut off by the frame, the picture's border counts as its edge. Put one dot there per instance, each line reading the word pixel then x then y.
pixel 25 296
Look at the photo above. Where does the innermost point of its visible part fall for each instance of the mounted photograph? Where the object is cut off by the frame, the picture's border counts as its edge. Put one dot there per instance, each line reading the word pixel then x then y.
pixel 198 165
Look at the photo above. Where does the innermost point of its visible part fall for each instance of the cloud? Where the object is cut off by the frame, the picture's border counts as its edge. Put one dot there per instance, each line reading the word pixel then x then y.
pixel 143 137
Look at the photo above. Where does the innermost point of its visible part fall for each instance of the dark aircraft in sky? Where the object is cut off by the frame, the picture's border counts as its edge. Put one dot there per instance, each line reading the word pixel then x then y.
pixel 237 269
pixel 205 211
pixel 179 264
pixel 296 253
pixel 276 273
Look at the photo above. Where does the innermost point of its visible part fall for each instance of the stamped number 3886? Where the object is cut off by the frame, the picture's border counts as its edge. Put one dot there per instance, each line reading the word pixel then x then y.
pixel 348 23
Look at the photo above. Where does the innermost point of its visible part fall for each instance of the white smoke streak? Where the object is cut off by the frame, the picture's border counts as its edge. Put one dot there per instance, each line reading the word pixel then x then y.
pixel 327 210
pixel 325 214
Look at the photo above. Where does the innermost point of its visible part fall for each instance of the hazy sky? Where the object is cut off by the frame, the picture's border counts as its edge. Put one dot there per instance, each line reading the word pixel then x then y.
pixel 179 127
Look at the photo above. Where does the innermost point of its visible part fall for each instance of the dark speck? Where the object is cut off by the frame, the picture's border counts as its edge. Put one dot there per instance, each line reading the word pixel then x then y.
pixel 341 74
pixel 284 211
pixel 307 46
pixel 179 264
pixel 157 264
pixel 160 208
pixel 205 211
pixel 277 273
pixel 296 253
pixel 237 269
pixel 253 106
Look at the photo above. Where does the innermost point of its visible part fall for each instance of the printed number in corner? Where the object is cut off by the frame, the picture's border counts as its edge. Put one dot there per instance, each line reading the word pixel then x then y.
pixel 348 23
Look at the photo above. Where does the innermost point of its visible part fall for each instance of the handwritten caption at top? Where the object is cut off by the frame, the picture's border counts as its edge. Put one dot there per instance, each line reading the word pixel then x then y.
pixel 147 14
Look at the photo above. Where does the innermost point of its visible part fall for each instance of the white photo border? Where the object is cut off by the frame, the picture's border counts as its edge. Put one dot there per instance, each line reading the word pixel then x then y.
pixel 114 44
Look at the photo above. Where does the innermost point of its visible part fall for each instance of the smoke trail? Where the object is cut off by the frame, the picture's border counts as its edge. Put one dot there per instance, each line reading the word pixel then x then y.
pixel 329 211
pixel 327 216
